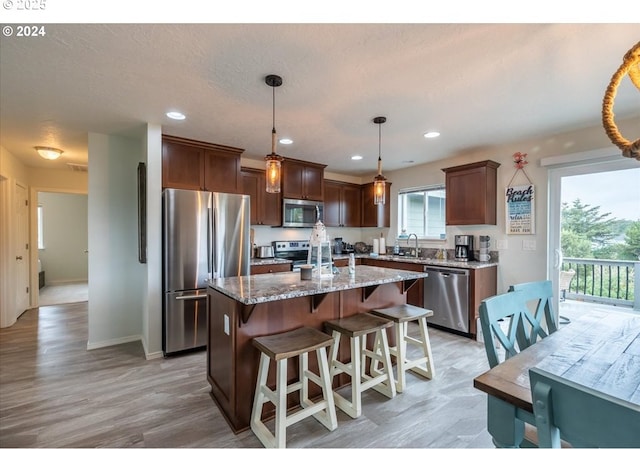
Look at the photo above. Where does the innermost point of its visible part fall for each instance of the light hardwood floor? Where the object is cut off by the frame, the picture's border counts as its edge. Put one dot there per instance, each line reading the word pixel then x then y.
pixel 55 393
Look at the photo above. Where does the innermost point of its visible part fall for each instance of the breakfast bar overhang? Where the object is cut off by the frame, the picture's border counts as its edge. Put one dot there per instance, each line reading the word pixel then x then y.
pixel 244 307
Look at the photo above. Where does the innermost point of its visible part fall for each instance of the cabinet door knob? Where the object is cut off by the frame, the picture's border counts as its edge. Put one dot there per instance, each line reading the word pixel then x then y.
pixel 18 257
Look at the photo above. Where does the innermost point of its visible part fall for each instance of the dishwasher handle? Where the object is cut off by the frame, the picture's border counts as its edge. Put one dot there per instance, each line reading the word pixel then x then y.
pixel 445 272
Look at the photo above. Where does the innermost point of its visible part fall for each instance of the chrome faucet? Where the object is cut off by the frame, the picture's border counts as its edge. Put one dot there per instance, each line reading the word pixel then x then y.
pixel 415 250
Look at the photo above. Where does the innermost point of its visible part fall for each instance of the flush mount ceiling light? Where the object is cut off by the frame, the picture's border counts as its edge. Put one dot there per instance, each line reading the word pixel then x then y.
pixel 379 182
pixel 431 134
pixel 273 160
pixel 175 115
pixel 49 153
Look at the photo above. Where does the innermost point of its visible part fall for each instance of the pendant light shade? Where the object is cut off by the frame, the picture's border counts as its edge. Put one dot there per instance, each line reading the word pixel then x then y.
pixel 379 182
pixel 273 160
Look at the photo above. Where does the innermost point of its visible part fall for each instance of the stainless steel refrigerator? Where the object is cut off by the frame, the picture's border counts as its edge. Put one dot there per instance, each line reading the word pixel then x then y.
pixel 205 236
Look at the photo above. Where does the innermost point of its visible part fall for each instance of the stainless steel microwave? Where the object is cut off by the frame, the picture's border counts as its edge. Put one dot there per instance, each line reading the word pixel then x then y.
pixel 301 213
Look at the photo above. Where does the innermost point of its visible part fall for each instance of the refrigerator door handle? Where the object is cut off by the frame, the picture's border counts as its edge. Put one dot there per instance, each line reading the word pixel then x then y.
pixel 214 243
pixel 187 297
pixel 209 245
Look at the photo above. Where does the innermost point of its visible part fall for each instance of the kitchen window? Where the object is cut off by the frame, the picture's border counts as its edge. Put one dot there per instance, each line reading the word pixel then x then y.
pixel 421 211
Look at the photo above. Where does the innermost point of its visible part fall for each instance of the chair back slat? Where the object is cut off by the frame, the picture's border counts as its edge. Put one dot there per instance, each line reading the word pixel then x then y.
pixel 502 322
pixel 540 322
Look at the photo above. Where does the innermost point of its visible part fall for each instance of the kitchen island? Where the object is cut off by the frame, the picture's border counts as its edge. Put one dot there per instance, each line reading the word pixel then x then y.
pixel 244 307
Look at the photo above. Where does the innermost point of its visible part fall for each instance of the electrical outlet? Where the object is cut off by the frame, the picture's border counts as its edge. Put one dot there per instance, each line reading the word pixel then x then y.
pixel 529 245
pixel 502 244
pixel 226 324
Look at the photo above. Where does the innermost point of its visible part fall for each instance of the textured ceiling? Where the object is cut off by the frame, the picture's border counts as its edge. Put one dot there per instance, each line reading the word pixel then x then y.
pixel 477 84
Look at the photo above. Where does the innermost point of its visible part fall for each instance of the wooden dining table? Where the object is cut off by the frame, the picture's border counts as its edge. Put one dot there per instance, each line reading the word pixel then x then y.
pixel 600 350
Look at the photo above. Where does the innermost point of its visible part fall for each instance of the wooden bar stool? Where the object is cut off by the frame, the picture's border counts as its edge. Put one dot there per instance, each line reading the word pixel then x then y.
pixel 281 347
pixel 357 327
pixel 402 315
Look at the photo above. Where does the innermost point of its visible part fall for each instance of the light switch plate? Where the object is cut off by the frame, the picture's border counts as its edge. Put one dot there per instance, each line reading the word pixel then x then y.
pixel 529 245
pixel 502 244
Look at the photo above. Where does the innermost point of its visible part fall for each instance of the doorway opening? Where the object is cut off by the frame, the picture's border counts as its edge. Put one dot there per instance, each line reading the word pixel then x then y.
pixel 62 248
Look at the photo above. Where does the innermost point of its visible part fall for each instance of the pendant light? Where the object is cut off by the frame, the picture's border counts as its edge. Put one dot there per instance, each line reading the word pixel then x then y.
pixel 273 160
pixel 379 182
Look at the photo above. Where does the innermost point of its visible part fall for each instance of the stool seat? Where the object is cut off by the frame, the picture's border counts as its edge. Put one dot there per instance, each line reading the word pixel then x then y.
pixel 292 343
pixel 356 328
pixel 401 315
pixel 279 348
pixel 358 325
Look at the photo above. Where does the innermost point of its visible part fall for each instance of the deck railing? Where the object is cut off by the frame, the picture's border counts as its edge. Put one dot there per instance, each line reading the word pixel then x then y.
pixel 604 281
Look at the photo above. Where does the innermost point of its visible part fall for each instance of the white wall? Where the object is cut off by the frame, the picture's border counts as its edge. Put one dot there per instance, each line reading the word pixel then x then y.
pixel 64 256
pixel 152 302
pixel 116 278
pixel 515 264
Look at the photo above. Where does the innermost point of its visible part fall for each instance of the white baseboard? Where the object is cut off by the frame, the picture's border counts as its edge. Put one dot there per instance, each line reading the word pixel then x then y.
pixel 50 283
pixel 113 342
pixel 150 355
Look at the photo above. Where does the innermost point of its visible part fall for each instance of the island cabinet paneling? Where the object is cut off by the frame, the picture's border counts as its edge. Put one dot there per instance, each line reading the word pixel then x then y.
pixel 232 360
pixel 194 165
pixel 302 180
pixel 342 204
pixel 471 193
pixel 375 215
pixel 266 208
pixel 415 295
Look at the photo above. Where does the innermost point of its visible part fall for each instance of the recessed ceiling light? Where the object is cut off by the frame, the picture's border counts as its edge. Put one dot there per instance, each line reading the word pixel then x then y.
pixel 431 134
pixel 408 161
pixel 175 115
pixel 285 141
pixel 356 158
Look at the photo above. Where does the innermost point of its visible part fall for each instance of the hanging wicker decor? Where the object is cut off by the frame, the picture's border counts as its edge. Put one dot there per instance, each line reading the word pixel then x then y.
pixel 631 66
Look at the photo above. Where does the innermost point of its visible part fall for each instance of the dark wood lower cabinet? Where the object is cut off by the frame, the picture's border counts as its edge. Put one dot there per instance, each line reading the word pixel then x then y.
pixel 270 268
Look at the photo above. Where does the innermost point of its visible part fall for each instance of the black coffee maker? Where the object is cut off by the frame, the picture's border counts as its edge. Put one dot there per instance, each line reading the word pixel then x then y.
pixel 464 248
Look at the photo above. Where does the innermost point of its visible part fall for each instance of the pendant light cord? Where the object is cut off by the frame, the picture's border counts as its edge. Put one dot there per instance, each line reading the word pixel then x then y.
pixel 273 115
pixel 379 148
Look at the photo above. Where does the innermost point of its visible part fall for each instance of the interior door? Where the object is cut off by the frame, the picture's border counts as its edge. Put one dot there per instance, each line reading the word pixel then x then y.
pixel 556 176
pixel 22 250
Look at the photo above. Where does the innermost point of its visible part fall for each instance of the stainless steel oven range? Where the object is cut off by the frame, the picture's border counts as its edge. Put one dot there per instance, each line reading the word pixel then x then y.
pixel 294 250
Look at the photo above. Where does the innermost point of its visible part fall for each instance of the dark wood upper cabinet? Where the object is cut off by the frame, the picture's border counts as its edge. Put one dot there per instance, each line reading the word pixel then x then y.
pixel 302 180
pixel 194 165
pixel 471 193
pixel 266 208
pixel 342 204
pixel 375 215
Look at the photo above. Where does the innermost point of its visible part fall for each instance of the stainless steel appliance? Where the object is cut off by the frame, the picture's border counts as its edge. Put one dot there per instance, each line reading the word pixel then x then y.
pixel 205 236
pixel 264 252
pixel 446 292
pixel 294 250
pixel 463 247
pixel 301 213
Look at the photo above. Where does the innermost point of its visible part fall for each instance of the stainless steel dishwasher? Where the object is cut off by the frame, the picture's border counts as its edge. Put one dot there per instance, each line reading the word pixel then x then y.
pixel 446 292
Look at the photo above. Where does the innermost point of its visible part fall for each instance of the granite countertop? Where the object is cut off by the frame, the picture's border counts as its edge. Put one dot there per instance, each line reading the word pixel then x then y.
pixel 423 261
pixel 269 261
pixel 259 288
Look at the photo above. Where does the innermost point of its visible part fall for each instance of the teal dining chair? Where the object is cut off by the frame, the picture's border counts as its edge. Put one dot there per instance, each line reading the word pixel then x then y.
pixel 538 313
pixel 580 415
pixel 502 321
